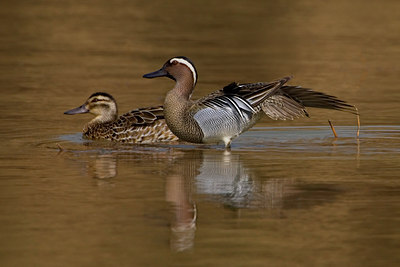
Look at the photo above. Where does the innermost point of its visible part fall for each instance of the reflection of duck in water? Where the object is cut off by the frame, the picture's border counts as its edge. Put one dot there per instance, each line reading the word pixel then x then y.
pixel 144 125
pixel 220 177
pixel 223 176
pixel 103 166
pixel 225 114
pixel 227 178
pixel 216 177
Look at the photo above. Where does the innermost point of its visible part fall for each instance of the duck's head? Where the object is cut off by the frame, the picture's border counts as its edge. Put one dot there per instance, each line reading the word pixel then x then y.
pixel 179 69
pixel 100 104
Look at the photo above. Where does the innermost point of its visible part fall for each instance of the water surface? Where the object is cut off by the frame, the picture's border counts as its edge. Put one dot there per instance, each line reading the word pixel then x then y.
pixel 287 194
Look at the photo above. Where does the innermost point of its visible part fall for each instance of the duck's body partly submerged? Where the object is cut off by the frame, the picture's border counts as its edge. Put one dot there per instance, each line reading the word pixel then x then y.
pixel 144 126
pixel 141 126
pixel 225 114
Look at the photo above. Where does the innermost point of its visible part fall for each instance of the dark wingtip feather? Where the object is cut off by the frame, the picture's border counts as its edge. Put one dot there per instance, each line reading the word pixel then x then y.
pixel 230 87
pixel 311 98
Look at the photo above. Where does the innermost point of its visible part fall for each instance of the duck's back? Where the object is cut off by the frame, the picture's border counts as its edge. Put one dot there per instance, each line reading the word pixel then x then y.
pixel 144 125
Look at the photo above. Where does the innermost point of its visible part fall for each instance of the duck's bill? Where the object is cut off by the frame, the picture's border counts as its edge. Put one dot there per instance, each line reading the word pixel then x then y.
pixel 155 74
pixel 78 110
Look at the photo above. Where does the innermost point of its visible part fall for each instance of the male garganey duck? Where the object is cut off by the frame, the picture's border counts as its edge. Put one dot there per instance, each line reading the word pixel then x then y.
pixel 143 125
pixel 226 113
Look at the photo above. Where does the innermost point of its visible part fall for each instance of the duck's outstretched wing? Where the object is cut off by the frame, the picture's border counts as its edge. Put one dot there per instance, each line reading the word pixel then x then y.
pixel 242 99
pixel 277 100
pixel 310 98
pixel 290 102
pixel 280 107
pixel 286 102
pixel 268 98
pixel 255 93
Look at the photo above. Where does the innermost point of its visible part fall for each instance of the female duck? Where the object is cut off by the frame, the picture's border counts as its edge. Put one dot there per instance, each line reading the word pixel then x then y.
pixel 225 114
pixel 143 125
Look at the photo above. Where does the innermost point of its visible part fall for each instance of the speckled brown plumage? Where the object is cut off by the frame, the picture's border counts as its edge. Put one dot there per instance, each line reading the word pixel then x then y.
pixel 146 125
pixel 139 126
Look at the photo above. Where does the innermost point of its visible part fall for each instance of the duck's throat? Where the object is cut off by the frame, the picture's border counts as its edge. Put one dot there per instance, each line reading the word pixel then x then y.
pixel 101 119
pixel 175 107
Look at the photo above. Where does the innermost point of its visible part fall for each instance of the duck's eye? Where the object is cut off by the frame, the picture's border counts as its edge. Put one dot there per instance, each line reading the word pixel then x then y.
pixel 174 62
pixel 94 100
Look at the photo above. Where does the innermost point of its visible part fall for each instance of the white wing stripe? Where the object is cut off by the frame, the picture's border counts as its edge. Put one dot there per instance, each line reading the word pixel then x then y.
pixel 247 105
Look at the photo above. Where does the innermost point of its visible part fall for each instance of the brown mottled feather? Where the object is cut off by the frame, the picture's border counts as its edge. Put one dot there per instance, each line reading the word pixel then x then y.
pixel 144 125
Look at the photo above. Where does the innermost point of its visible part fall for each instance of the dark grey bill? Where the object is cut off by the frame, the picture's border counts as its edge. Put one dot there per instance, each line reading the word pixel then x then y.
pixel 155 74
pixel 78 110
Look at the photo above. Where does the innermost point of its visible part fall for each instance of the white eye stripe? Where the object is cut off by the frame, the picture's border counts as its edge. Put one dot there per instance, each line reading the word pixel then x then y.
pixel 187 64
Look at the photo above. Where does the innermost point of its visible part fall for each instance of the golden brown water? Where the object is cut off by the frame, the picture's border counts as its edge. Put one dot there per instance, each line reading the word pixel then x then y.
pixel 288 194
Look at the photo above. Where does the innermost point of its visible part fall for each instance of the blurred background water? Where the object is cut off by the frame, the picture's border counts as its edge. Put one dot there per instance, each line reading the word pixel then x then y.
pixel 287 194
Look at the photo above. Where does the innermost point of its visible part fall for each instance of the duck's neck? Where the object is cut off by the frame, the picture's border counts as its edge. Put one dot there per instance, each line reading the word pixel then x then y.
pixel 178 98
pixel 177 106
pixel 184 86
pixel 101 119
